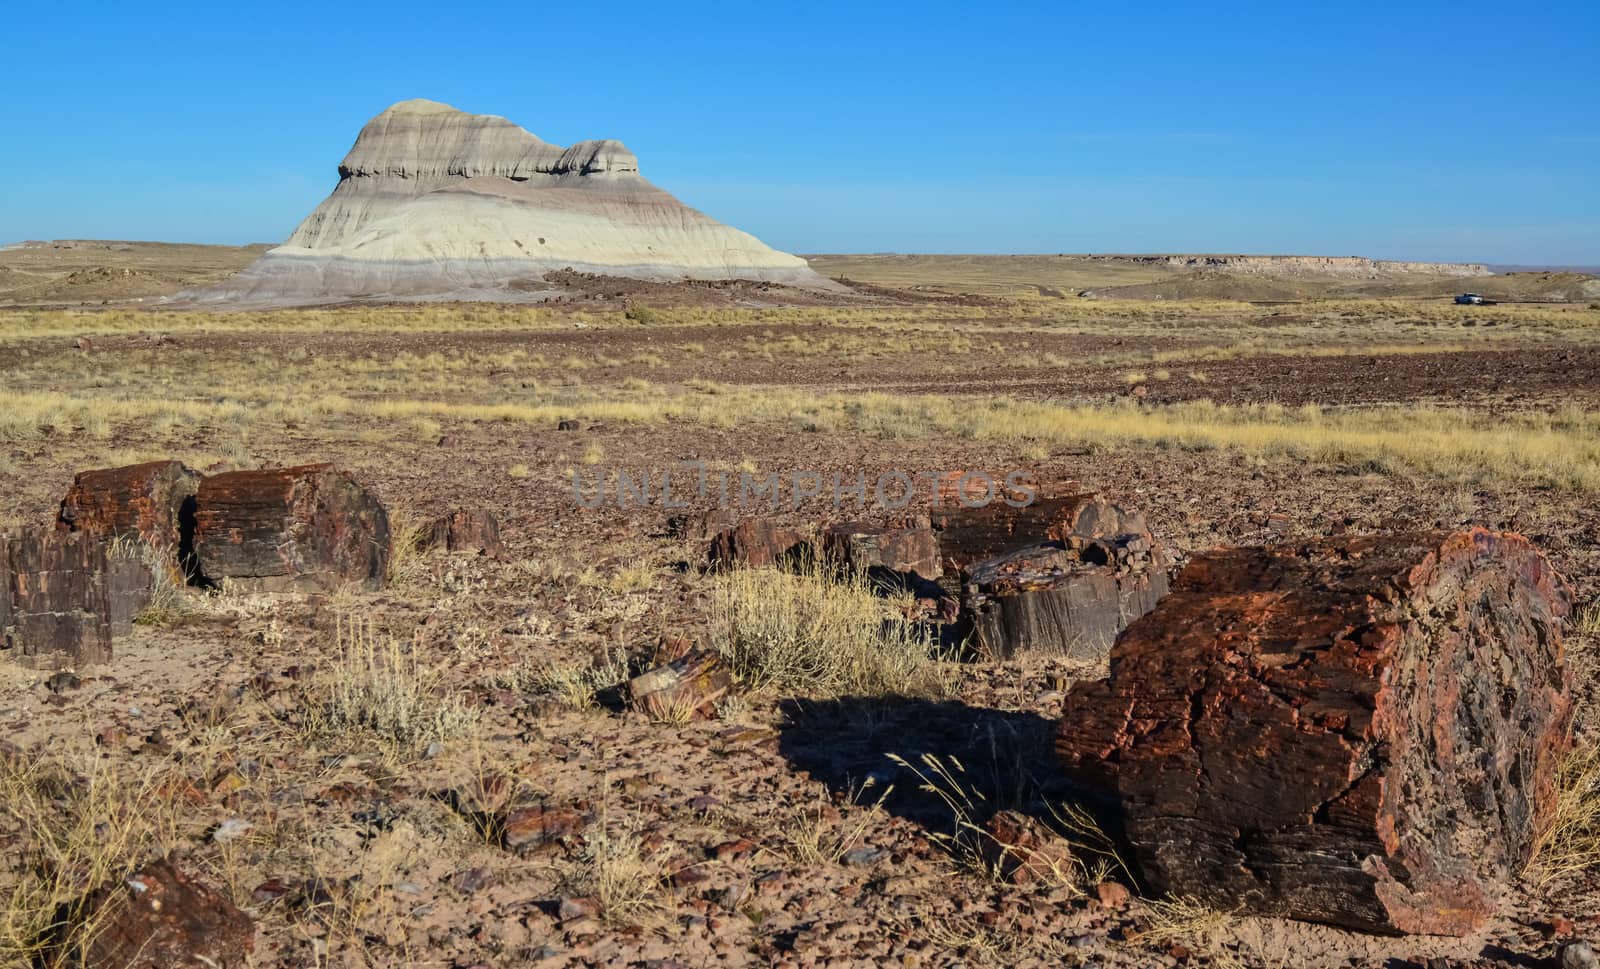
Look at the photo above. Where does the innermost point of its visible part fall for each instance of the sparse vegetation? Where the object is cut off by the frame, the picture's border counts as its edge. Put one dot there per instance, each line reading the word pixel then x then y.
pixel 379 686
pixel 820 634
pixel 78 826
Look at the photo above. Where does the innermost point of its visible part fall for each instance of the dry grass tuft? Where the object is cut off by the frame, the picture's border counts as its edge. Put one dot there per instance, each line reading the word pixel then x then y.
pixel 1093 857
pixel 618 869
pixel 75 827
pixel 378 686
pixel 821 634
pixel 1571 845
pixel 817 836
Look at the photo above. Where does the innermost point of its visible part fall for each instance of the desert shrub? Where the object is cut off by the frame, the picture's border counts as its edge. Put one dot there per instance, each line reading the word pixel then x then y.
pixel 820 633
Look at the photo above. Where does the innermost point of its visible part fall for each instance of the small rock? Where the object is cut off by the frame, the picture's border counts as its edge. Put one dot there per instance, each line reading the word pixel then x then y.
pixel 578 908
pixel 231 830
pixel 62 681
pixel 1578 955
pixel 1112 895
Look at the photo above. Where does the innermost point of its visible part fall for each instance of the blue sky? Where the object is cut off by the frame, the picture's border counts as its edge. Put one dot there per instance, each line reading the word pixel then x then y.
pixel 1455 130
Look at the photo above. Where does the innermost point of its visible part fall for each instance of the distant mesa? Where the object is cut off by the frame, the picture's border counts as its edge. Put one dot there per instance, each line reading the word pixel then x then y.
pixel 435 203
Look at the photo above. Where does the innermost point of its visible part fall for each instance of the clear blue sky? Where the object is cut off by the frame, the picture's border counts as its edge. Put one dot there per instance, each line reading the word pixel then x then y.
pixel 1456 130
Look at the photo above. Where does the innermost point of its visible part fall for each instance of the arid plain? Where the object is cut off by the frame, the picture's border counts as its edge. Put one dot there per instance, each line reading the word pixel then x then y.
pixel 341 766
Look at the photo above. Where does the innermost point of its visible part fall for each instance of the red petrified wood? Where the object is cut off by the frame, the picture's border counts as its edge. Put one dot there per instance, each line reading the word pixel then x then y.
pixel 151 501
pixel 54 609
pixel 757 542
pixel 1362 732
pixel 310 528
pixel 157 918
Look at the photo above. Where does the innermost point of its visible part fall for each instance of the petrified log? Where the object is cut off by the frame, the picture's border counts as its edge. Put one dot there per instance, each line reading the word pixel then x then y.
pixel 153 502
pixel 682 689
pixel 968 535
pixel 54 610
pixel 466 530
pixel 311 528
pixel 757 542
pixel 875 549
pixel 1059 599
pixel 1360 731
pixel 156 918
pixel 130 584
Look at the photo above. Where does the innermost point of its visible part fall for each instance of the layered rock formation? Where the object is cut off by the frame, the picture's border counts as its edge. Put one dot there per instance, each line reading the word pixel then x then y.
pixel 436 203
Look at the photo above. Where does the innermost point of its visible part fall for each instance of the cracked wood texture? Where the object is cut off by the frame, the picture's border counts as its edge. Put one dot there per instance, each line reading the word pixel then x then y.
pixel 1059 599
pixel 54 608
pixel 150 501
pixel 1362 732
pixel 306 529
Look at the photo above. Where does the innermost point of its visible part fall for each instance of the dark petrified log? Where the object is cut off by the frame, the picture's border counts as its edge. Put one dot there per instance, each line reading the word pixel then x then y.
pixel 685 688
pixel 968 535
pixel 757 542
pixel 877 549
pixel 1059 599
pixel 156 918
pixel 152 501
pixel 311 528
pixel 1360 731
pixel 466 530
pixel 54 610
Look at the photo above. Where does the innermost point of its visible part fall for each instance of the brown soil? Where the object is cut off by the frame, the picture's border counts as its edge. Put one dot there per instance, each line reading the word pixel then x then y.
pixel 410 881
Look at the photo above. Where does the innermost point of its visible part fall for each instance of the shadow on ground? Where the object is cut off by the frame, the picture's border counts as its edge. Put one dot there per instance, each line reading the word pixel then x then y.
pixel 999 759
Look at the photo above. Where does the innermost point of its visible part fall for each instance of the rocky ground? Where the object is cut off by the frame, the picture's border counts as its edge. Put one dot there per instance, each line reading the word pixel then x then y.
pixel 496 803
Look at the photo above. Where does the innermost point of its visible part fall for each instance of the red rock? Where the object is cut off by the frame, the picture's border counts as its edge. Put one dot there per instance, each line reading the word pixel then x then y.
pixel 1021 850
pixel 683 689
pixel 157 918
pixel 153 502
pixel 539 828
pixel 466 530
pixel 310 528
pixel 1361 731
pixel 54 606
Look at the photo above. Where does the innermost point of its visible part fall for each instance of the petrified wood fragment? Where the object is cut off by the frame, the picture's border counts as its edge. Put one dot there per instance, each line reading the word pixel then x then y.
pixel 156 918
pixel 685 688
pixel 311 528
pixel 1360 731
pixel 54 610
pixel 153 502
pixel 466 530
pixel 1059 599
